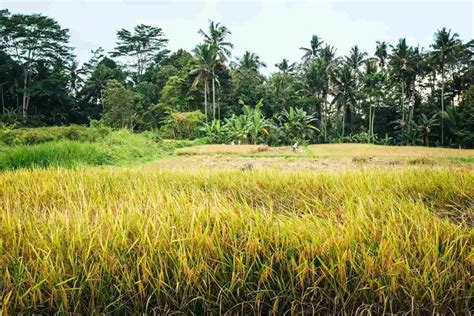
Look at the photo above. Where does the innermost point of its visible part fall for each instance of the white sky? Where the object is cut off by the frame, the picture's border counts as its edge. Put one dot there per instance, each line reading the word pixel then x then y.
pixel 273 29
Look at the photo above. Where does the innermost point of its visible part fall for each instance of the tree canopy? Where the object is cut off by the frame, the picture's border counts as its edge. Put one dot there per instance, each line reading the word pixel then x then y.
pixel 399 93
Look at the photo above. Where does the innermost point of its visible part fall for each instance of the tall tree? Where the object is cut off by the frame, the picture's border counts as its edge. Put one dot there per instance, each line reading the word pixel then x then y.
pixel 250 61
pixel 142 46
pixel 402 62
pixel 444 45
pixel 206 56
pixel 356 58
pixel 381 52
pixel 345 93
pixel 216 36
pixel 313 50
pixel 32 40
pixel 285 66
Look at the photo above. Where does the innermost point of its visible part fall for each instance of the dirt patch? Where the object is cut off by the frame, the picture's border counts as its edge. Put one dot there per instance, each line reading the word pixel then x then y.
pixel 199 162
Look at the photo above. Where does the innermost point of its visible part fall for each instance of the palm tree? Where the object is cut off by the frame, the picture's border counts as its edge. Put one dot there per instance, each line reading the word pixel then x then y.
pixel 206 56
pixel 313 50
pixel 216 35
pixel 426 126
pixel 403 62
pixel 444 47
pixel 285 66
pixel 381 53
pixel 345 92
pixel 250 61
pixel 356 58
pixel 328 53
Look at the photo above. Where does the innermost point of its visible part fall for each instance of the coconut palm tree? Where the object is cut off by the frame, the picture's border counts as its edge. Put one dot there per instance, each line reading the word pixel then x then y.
pixel 250 61
pixel 206 56
pixel 285 66
pixel 345 85
pixel 328 53
pixel 356 58
pixel 444 47
pixel 403 62
pixel 216 36
pixel 314 49
pixel 381 53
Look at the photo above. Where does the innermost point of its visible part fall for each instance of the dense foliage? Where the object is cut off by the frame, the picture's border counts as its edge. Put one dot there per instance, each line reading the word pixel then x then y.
pixel 401 94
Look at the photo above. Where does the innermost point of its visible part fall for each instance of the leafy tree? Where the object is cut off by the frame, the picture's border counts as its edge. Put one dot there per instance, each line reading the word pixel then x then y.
pixel 30 40
pixel 444 47
pixel 403 64
pixel 216 36
pixel 250 61
pixel 356 58
pixel 121 106
pixel 285 66
pixel 142 45
pixel 381 52
pixel 296 126
pixel 465 125
pixel 344 93
pixel 313 50
pixel 206 56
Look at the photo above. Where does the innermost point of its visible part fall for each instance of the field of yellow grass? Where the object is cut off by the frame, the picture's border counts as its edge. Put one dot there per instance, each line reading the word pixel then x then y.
pixel 149 240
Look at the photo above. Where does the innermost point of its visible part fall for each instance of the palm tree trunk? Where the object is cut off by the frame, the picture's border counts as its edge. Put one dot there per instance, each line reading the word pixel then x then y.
pixel 213 99
pixel 24 107
pixel 205 98
pixel 442 104
pixel 343 121
pixel 373 120
pixel 3 101
pixel 370 119
pixel 403 103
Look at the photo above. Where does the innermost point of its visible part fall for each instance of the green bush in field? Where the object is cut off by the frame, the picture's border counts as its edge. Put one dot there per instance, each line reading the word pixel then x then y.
pixel 183 125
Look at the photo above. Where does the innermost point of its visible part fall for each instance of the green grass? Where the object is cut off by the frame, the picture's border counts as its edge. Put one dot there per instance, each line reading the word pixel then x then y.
pixel 464 159
pixel 129 241
pixel 65 154
pixel 113 148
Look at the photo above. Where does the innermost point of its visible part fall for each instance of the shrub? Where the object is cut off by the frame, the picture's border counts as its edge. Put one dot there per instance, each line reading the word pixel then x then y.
pixel 183 125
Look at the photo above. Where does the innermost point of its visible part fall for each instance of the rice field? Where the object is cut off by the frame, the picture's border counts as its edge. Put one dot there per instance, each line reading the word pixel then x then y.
pixel 131 240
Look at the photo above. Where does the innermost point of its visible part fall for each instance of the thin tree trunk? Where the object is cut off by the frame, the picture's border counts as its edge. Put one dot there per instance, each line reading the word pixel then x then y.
pixel 370 119
pixel 24 107
pixel 343 121
pixel 403 103
pixel 373 120
pixel 213 99
pixel 323 116
pixel 205 98
pixel 442 104
pixel 3 102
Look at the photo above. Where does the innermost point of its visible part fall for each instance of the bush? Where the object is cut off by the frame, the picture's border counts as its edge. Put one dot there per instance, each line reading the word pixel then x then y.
pixel 183 125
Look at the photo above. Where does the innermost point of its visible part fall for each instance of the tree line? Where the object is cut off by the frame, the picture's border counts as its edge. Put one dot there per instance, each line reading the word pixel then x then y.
pixel 398 94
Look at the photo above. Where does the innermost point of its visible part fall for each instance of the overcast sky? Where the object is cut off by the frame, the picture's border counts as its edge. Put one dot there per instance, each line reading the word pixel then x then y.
pixel 272 29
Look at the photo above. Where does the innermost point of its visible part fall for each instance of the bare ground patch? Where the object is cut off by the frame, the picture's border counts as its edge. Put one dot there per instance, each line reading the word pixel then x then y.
pixel 218 162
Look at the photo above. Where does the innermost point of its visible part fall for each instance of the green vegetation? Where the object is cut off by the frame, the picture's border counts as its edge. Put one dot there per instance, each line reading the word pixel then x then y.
pixel 80 146
pixel 266 211
pixel 401 94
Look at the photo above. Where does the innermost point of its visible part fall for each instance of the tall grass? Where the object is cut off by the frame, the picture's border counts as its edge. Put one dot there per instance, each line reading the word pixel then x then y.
pixel 137 241
pixel 113 148
pixel 64 153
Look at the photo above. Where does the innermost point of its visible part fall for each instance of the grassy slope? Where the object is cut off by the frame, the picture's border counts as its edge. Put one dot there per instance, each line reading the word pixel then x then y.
pixel 114 148
pixel 127 240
